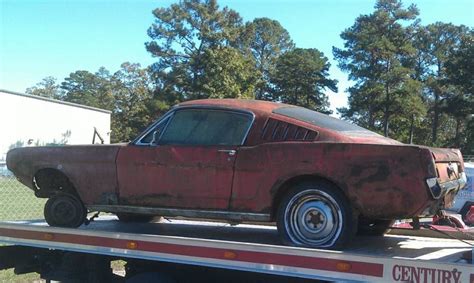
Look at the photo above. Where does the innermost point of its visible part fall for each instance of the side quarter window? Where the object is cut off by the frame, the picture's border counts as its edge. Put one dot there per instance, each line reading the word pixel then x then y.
pixel 206 127
pixel 153 136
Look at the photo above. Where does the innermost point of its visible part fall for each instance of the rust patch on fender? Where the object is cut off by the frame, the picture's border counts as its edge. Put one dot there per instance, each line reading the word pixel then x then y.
pixel 370 174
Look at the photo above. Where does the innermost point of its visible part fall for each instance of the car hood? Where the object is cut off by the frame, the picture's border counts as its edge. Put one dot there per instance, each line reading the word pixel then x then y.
pixel 26 161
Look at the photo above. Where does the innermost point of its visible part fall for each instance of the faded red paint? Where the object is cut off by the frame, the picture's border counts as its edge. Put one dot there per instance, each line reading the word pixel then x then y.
pixel 90 168
pixel 175 176
pixel 381 177
pixel 372 176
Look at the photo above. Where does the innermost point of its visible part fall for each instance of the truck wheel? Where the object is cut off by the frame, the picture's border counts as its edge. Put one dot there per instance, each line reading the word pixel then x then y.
pixel 64 210
pixel 315 215
pixel 140 218
pixel 373 227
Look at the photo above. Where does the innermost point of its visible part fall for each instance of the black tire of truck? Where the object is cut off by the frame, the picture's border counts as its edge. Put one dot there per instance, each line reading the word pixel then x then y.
pixel 64 210
pixel 316 215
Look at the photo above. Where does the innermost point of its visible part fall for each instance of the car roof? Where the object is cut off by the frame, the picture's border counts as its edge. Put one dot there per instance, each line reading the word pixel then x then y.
pixel 245 104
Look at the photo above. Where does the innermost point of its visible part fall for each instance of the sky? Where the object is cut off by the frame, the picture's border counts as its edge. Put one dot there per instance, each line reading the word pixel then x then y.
pixel 40 38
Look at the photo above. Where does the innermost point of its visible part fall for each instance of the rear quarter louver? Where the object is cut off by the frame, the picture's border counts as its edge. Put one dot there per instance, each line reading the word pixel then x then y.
pixel 275 130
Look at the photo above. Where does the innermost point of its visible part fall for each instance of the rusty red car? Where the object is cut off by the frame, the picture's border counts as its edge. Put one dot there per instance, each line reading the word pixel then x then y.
pixel 316 176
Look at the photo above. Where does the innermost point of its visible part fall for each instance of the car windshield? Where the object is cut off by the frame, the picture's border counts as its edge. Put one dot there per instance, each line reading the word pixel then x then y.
pixel 322 120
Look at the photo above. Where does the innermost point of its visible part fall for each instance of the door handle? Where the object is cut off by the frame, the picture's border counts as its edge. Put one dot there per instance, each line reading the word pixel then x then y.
pixel 230 152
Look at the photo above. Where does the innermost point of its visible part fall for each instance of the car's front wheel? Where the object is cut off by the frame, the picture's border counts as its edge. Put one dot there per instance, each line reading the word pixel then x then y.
pixel 64 210
pixel 315 215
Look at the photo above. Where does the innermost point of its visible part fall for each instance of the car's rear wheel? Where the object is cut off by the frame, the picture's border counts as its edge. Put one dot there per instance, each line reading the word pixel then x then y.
pixel 140 218
pixel 373 227
pixel 64 210
pixel 316 215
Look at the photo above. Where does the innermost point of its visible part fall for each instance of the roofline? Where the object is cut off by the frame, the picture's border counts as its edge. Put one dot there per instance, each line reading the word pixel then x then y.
pixel 56 101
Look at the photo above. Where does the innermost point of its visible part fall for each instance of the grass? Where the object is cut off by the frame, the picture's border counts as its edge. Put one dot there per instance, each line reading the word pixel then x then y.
pixel 17 202
pixel 9 276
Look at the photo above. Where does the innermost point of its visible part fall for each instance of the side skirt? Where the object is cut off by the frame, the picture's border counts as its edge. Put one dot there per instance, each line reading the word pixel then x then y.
pixel 191 213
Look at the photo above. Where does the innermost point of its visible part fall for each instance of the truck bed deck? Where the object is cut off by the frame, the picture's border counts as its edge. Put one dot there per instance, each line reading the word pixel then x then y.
pixel 254 248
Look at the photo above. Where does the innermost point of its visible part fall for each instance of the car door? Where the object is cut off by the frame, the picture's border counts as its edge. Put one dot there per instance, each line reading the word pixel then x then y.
pixel 185 161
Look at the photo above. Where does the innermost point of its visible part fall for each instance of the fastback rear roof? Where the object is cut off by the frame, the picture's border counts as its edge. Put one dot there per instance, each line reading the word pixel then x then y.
pixel 248 104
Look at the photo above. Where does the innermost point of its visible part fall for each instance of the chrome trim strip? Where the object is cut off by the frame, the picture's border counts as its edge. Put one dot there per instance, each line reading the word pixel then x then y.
pixel 191 213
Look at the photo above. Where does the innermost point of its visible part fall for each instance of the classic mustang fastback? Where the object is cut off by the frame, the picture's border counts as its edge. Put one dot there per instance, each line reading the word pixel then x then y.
pixel 317 177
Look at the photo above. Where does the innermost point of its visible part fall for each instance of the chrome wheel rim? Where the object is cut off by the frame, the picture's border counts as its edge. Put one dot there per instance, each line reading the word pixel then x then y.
pixel 313 218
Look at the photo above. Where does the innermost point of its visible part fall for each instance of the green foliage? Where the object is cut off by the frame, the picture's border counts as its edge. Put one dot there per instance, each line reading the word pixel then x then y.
pixel 133 107
pixel 186 35
pixel 265 39
pixel 46 88
pixel 203 51
pixel 90 89
pixel 228 74
pixel 404 74
pixel 435 43
pixel 460 64
pixel 467 138
pixel 376 56
pixel 300 78
pixel 128 93
pixel 460 105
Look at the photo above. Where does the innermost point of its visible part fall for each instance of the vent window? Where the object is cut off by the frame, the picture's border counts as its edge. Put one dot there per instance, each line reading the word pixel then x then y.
pixel 275 130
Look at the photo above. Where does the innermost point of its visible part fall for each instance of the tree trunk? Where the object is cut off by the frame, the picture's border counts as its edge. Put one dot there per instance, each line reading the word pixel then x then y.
pixel 261 89
pixel 434 137
pixel 412 126
pixel 259 93
pixel 371 122
pixel 386 117
pixel 295 97
pixel 458 128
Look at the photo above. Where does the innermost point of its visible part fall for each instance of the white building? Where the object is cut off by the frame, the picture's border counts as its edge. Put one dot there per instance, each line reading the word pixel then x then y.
pixel 32 120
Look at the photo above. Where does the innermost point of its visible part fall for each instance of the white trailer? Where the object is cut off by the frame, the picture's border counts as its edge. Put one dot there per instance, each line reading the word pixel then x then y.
pixel 29 120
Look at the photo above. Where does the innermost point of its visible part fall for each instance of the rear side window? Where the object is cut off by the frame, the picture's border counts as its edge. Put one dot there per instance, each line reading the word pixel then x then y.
pixel 321 120
pixel 206 127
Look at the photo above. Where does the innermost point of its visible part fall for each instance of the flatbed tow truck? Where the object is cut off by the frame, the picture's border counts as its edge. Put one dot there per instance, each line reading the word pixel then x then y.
pixel 177 250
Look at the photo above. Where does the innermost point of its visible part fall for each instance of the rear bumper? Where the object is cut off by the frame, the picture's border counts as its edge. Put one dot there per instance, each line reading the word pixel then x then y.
pixel 438 190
